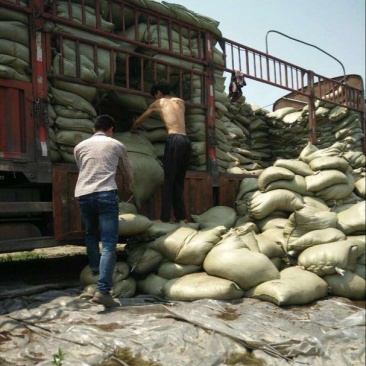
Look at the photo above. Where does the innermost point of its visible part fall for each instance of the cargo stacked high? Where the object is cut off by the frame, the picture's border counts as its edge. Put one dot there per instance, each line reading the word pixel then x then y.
pixel 64 62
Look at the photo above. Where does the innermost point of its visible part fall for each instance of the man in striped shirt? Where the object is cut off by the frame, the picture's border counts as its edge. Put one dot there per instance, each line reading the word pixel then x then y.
pixel 97 159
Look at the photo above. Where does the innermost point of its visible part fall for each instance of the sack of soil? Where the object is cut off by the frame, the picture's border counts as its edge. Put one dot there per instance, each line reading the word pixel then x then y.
pixel 294 287
pixel 348 285
pixel 198 286
pixel 232 260
pixel 188 246
pixel 330 258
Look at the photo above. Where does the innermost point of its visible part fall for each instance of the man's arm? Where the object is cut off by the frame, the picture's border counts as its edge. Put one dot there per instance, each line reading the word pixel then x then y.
pixel 76 156
pixel 146 114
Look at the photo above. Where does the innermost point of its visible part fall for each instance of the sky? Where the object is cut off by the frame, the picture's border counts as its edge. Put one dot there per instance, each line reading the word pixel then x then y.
pixel 335 26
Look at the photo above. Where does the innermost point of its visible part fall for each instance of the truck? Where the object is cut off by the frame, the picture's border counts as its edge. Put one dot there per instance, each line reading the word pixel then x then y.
pixel 73 59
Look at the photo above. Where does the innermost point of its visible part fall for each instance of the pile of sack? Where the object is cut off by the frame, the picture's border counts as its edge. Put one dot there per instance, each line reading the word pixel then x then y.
pixel 295 235
pixel 123 284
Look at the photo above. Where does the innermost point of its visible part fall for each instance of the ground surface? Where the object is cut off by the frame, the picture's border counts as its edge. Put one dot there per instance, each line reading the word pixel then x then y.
pixel 39 292
pixel 44 266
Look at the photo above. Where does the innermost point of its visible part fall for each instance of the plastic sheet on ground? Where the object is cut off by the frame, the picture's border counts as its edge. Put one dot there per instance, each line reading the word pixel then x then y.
pixel 33 328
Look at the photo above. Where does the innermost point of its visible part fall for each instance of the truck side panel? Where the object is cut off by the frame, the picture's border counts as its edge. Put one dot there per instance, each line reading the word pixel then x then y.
pixel 198 196
pixel 17 131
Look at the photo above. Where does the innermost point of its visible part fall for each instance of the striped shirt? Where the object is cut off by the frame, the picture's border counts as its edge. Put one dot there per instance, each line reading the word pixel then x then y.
pixel 97 159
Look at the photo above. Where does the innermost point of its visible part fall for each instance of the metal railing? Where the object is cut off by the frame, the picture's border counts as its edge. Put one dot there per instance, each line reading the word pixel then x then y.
pixel 271 70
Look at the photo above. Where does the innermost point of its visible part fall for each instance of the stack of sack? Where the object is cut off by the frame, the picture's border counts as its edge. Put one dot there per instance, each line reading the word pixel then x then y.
pixel 70 118
pixel 81 61
pixel 130 223
pixel 315 208
pixel 147 170
pixel 196 131
pixel 184 261
pixel 185 41
pixel 71 108
pixel 123 284
pixel 148 30
pixel 296 235
pixel 258 138
pixel 250 139
pixel 15 58
pixel 288 129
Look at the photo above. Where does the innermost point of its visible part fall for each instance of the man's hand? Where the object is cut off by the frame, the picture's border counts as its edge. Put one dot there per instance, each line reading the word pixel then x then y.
pixel 132 124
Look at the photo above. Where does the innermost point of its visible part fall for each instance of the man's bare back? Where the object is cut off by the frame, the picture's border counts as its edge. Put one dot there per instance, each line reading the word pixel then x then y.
pixel 171 110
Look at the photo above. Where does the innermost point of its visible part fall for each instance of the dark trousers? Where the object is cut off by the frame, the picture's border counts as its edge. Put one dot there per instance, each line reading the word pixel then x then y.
pixel 177 155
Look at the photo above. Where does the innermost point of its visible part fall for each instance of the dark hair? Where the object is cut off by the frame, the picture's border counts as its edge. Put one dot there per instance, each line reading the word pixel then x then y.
pixel 104 123
pixel 162 85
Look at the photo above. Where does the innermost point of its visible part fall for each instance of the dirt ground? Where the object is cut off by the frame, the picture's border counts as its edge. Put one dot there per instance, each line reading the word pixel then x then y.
pixel 52 252
pixel 45 265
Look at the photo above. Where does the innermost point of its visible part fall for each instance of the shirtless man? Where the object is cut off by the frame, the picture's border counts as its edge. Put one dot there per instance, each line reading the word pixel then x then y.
pixel 177 150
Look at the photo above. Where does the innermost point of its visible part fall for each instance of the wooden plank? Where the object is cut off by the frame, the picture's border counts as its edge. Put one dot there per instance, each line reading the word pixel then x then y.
pixel 198 196
pixel 23 207
pixel 198 192
pixel 67 217
pixel 229 185
pixel 151 208
pixel 8 246
pixel 17 134
pixel 16 231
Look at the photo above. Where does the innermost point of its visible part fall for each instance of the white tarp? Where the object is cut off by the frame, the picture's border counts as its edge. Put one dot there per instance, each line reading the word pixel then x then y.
pixel 34 327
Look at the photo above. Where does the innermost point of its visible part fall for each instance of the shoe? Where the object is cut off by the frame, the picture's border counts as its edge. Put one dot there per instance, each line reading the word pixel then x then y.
pixel 105 299
pixel 177 221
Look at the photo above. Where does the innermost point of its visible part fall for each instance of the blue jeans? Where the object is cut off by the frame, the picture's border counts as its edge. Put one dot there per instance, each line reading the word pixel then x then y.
pixel 99 211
